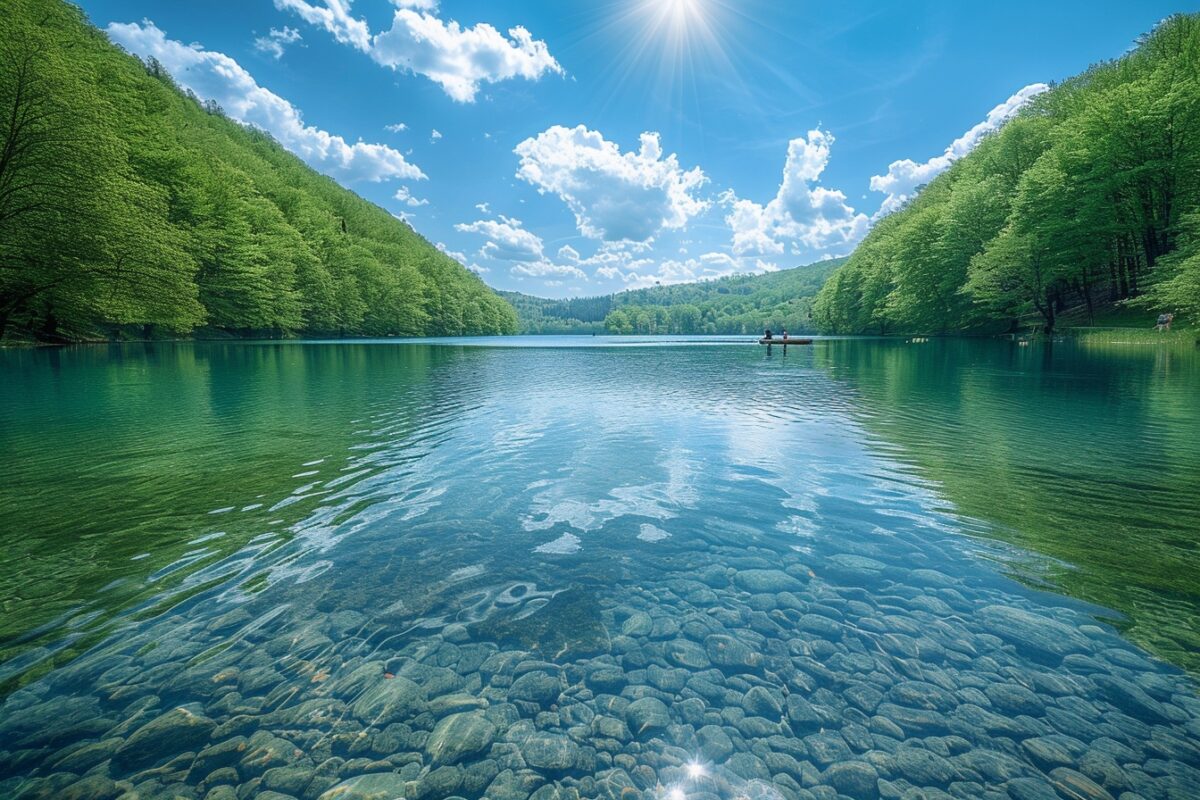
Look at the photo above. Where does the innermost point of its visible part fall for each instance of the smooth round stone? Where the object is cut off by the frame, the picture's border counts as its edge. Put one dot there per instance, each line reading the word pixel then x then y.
pixel 847 564
pixel 764 581
pixel 1047 752
pixel 610 728
pixel 922 767
pixel 802 716
pixel 375 786
pixel 827 748
pixel 864 696
pixel 536 687
pixel 1131 699
pixel 176 731
pixel 1030 789
pixel 1014 699
pixel 1075 786
pixel 1041 636
pixel 821 625
pixel 550 751
pixel 748 766
pixel 639 624
pixel 687 654
pixel 855 779
pixel 607 680
pixel 759 702
pixel 731 654
pixel 458 736
pixel 647 715
pixel 715 743
pixel 390 700
pixel 918 694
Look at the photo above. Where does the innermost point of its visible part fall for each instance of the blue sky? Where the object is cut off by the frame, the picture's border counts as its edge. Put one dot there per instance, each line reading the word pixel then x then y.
pixel 578 148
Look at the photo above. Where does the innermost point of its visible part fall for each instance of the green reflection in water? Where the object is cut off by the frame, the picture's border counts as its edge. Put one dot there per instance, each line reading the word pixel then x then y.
pixel 117 458
pixel 1089 454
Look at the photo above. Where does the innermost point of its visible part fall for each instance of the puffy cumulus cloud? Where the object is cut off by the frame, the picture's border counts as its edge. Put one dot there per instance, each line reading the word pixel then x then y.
pixel 544 268
pixel 333 16
pixel 905 176
pixel 507 239
pixel 802 215
pixel 638 274
pixel 457 58
pixel 217 77
pixel 399 127
pixel 461 258
pixel 615 196
pixel 276 41
pixel 405 195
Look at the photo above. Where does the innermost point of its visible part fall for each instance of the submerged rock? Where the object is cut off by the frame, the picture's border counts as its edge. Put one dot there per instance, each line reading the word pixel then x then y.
pixel 646 716
pixel 536 687
pixel 377 786
pixel 390 700
pixel 550 752
pixel 760 581
pixel 174 732
pixel 1041 637
pixel 458 736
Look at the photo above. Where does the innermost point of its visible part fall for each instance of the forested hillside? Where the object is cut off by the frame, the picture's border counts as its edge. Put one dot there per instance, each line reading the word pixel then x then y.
pixel 128 209
pixel 1090 197
pixel 738 304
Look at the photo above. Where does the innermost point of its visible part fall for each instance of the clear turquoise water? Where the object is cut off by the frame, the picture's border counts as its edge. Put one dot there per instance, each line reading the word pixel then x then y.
pixel 584 567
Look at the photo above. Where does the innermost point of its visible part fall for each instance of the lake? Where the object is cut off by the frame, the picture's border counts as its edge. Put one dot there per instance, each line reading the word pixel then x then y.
pixel 594 567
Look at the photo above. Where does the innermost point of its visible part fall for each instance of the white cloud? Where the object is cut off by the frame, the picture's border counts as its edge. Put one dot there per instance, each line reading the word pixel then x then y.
pixel 276 41
pixel 804 215
pixel 458 59
pixel 540 269
pixel 399 127
pixel 462 259
pixel 507 239
pixel 569 254
pixel 404 195
pixel 904 177
pixel 333 16
pixel 483 208
pixel 217 77
pixel 435 136
pixel 615 196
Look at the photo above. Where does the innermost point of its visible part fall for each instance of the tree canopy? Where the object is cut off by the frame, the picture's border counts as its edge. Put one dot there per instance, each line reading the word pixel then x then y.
pixel 129 208
pixel 736 304
pixel 1089 196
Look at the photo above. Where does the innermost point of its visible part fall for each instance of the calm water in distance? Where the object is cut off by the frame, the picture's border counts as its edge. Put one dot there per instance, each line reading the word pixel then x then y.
pixel 577 564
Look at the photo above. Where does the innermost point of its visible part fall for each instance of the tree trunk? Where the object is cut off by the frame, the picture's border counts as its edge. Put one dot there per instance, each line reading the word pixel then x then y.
pixel 1085 289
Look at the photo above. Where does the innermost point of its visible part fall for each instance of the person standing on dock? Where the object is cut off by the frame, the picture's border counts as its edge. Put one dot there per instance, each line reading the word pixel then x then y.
pixel 767 334
pixel 785 334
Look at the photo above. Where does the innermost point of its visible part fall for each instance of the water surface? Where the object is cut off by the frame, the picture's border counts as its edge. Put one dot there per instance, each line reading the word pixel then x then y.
pixel 562 567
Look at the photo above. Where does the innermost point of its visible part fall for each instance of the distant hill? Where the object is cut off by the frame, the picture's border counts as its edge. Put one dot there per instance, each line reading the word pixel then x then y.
pixel 129 209
pixel 738 304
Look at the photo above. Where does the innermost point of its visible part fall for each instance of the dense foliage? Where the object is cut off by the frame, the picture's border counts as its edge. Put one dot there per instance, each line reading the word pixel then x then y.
pixel 737 304
pixel 1089 197
pixel 127 208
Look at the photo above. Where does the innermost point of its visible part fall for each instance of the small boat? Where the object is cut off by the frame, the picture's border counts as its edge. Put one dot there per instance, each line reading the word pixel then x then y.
pixel 785 342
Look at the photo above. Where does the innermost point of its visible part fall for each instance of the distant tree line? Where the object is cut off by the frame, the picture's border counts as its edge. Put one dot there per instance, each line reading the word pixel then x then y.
pixel 127 208
pixel 1089 197
pixel 737 304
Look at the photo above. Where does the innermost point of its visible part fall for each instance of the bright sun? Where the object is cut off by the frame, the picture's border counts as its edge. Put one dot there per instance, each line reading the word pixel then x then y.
pixel 679 13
